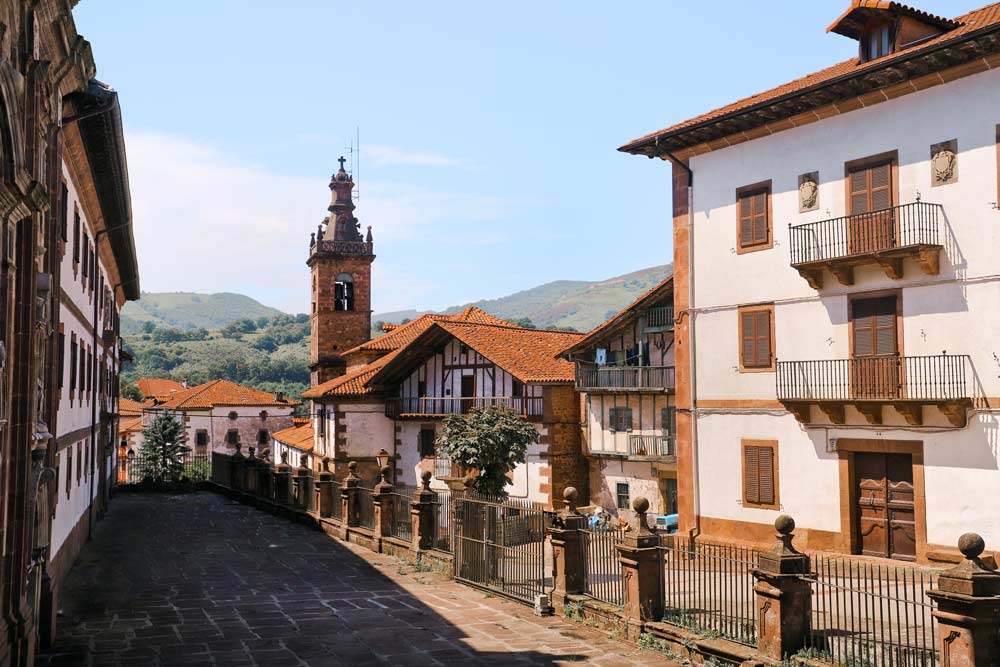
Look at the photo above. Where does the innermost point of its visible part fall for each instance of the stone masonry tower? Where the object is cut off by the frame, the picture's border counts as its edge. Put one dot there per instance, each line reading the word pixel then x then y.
pixel 340 260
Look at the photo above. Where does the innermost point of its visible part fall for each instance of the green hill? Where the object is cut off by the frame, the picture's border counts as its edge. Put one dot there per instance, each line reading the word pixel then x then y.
pixel 579 304
pixel 187 310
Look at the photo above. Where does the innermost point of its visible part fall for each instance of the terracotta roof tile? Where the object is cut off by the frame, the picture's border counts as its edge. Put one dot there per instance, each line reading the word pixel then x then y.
pixel 160 388
pixel 653 294
pixel 129 426
pixel 129 408
pixel 349 384
pixel 223 392
pixel 985 17
pixel 299 437
pixel 404 333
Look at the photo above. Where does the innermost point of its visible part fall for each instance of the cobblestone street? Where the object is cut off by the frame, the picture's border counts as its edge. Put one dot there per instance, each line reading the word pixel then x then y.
pixel 199 579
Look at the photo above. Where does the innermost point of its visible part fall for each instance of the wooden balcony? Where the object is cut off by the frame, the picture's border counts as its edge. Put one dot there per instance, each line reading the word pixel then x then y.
pixel 594 378
pixel 885 237
pixel 657 319
pixel 906 384
pixel 655 448
pixel 431 406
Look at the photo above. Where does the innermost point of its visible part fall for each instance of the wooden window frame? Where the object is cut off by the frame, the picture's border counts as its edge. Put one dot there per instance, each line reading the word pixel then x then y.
pixel 762 186
pixel 773 445
pixel 898 293
pixel 628 495
pixel 892 157
pixel 613 422
pixel 758 308
pixel 420 443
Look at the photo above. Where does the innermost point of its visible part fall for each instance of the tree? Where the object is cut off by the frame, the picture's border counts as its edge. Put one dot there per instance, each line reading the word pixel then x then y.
pixel 148 326
pixel 491 440
pixel 129 390
pixel 163 448
pixel 524 323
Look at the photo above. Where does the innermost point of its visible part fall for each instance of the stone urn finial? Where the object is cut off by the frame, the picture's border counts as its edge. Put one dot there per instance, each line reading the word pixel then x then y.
pixel 304 461
pixel 250 452
pixel 284 457
pixel 570 495
pixel 352 469
pixel 641 506
pixel 425 478
pixel 972 576
pixel 326 463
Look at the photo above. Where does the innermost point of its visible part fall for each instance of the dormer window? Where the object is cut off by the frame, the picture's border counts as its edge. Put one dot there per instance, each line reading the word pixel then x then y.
pixel 343 292
pixel 877 43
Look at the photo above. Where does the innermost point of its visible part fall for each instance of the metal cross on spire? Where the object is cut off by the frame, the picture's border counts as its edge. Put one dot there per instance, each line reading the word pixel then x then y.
pixel 342 160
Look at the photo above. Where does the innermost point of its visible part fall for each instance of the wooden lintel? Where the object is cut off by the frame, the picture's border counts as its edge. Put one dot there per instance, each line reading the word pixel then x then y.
pixel 929 260
pixel 893 266
pixel 955 413
pixel 843 273
pixel 834 412
pixel 800 411
pixel 871 411
pixel 813 276
pixel 913 413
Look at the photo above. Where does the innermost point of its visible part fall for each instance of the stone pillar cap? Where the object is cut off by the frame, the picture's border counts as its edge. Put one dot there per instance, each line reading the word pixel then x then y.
pixel 783 558
pixel 971 577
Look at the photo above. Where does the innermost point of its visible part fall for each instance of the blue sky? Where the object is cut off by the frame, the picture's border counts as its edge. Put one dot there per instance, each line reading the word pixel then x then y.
pixel 488 130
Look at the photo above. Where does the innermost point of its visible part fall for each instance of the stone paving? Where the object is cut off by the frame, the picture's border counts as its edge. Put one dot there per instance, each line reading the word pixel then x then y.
pixel 198 579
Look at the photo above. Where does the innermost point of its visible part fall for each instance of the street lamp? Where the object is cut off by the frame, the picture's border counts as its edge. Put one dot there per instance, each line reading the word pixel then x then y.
pixel 382 458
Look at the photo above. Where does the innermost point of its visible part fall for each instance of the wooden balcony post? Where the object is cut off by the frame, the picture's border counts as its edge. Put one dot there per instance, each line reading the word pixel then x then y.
pixel 642 570
pixel 423 515
pixel 968 609
pixel 783 595
pixel 568 564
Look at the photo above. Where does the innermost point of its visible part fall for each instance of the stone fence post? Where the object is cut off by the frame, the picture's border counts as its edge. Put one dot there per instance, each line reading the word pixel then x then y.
pixel 423 515
pixel 349 498
pixel 642 570
pixel 382 499
pixel 236 469
pixel 302 484
pixel 264 476
pixel 968 609
pixel 569 566
pixel 325 485
pixel 250 472
pixel 783 595
pixel 283 480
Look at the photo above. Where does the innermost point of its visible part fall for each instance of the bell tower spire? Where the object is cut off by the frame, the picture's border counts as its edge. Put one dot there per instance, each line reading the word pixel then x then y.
pixel 340 260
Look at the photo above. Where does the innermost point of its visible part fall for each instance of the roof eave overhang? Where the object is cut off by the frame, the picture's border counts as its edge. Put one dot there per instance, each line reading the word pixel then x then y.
pixel 906 65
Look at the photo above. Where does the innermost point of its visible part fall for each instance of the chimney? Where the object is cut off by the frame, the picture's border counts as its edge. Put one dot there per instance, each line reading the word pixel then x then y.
pixel 280 397
pixel 184 383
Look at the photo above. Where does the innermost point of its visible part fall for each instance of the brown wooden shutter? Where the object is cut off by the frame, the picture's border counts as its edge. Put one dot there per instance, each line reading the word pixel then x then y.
pixel 763 338
pixel 751 475
pixel 748 338
pixel 746 220
pixel 765 465
pixel 760 218
pixel 754 227
pixel 881 195
pixel 874 326
pixel 871 188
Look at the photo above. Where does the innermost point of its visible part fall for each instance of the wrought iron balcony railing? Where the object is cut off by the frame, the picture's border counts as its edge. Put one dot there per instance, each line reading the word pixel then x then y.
pixel 590 377
pixel 661 317
pixel 658 446
pixel 433 406
pixel 909 225
pixel 932 379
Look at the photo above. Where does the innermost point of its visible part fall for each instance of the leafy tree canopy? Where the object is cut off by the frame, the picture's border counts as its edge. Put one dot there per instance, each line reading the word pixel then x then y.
pixel 491 440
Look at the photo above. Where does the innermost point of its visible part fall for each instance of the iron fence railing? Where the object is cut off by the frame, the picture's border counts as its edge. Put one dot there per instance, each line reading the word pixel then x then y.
pixel 601 567
pixel 651 445
pixel 139 468
pixel 661 317
pixel 866 233
pixel 594 377
pixel 709 588
pixel 443 467
pixel 443 509
pixel 366 508
pixel 526 406
pixel 933 378
pixel 872 615
pixel 401 498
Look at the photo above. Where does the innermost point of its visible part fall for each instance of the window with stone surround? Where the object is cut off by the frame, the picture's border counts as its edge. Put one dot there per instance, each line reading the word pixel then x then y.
pixel 232 437
pixel 621 495
pixel 760 473
pixel 201 438
pixel 263 437
pixel 753 215
pixel 756 337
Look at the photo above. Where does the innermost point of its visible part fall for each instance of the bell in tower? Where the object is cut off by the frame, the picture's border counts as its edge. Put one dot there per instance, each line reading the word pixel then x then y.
pixel 340 260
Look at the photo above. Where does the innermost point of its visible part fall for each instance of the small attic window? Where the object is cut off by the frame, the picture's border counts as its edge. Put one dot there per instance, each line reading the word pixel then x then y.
pixel 876 43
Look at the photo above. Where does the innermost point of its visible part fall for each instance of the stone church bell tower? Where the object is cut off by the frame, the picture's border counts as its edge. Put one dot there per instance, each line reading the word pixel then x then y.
pixel 340 260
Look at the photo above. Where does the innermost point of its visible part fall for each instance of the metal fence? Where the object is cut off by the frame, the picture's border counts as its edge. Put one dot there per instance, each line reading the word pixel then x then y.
pixel 911 224
pixel 867 614
pixel 709 588
pixel 402 523
pixel 136 469
pixel 443 509
pixel 366 508
pixel 601 567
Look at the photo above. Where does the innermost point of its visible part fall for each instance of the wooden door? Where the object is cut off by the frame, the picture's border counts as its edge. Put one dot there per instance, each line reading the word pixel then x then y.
pixel 884 505
pixel 468 393
pixel 875 367
pixel 872 225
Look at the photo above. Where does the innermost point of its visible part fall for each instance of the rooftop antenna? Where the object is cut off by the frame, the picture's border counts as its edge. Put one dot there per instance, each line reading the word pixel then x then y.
pixel 354 150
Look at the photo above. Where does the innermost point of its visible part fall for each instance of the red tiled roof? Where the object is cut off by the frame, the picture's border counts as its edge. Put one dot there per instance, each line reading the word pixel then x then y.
pixel 858 7
pixel 653 294
pixel 299 437
pixel 226 393
pixel 353 383
pixel 130 408
pixel 404 333
pixel 129 426
pixel 983 18
pixel 160 388
pixel 530 355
